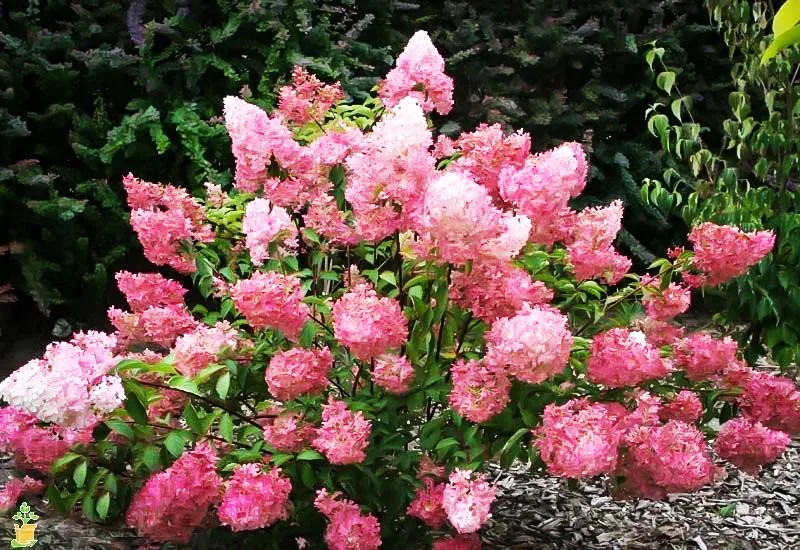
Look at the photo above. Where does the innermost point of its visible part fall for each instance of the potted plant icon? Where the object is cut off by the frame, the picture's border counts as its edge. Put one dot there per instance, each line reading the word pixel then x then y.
pixel 25 529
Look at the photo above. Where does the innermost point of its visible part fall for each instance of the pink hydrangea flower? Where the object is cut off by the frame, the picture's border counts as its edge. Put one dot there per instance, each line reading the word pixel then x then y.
pixel 297 372
pixel 463 224
pixel 533 345
pixel 664 304
pixel 621 357
pixel 460 542
pixel 272 300
pixel 265 223
pixel 686 407
pixel 393 373
pixel 659 333
pixel 173 503
pixel 198 349
pixel 480 391
pixel 288 434
pixel 487 152
pixel 590 246
pixel 343 436
pixel 348 529
pixel 467 501
pixel 419 73
pixel 604 264
pixel 672 458
pixel 427 505
pixel 163 217
pixel 254 499
pixel 772 400
pixel 146 290
pixel 159 325
pixel 578 439
pixel 15 488
pixel 69 385
pixel 307 99
pixel 215 196
pixel 701 356
pixel 491 291
pixel 749 445
pixel 368 324
pixel 724 251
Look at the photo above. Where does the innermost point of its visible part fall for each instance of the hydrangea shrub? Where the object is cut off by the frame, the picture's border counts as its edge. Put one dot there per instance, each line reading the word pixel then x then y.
pixel 383 312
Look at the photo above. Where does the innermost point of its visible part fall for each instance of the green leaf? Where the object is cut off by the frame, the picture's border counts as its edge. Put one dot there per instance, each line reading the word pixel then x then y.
pixel 207 372
pixel 184 384
pixel 789 38
pixel 120 427
pixel 518 435
pixel 175 441
pixel 675 106
pixel 226 427
pixel 309 454
pixel 446 443
pixel 150 458
pixel 223 385
pixel 79 474
pixel 135 408
pixel 787 17
pixel 665 81
pixel 102 505
pixel 59 464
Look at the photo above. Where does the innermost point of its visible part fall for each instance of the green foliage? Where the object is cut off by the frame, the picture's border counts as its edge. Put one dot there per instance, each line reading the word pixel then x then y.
pixel 750 178
pixel 572 71
pixel 95 89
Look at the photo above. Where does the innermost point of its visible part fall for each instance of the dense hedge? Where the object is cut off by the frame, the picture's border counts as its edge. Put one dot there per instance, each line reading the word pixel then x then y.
pixel 95 89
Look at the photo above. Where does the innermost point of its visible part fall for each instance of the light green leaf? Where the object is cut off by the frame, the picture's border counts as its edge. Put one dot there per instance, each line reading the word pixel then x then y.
pixel 787 17
pixel 223 385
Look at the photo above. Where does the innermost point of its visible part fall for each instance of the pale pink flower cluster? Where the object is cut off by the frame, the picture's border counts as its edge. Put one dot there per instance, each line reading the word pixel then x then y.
pixel 621 357
pixel 419 73
pixel 749 445
pixel 215 196
pixel 393 373
pixel 668 458
pixel 532 346
pixel 463 224
pixel 701 356
pixel 491 291
pixel 685 406
pixel 348 528
pixel 471 541
pixel 590 247
pixel 164 217
pixel 297 372
pixel 201 347
pixel 722 252
pixel 307 99
pixel 480 391
pixel 428 505
pixel 272 300
pixel 665 304
pixel 264 224
pixel 467 500
pixel 35 447
pixel 173 503
pixel 69 385
pixel 368 324
pixel 343 436
pixel 15 488
pixel 288 433
pixel 254 499
pixel 486 153
pixel 579 439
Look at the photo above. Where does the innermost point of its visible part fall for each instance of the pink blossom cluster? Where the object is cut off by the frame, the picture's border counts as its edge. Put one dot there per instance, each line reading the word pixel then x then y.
pixel 254 499
pixel 34 447
pixel 428 505
pixel 664 304
pixel 393 373
pixel 722 252
pixel 471 541
pixel 307 99
pixel 590 247
pixel 146 290
pixel 272 300
pixel 348 528
pixel 419 73
pixel 621 357
pixel 658 333
pixel 297 372
pixel 343 436
pixel 173 503
pixel 164 217
pixel 772 400
pixel 480 390
pixel 531 346
pixel 16 488
pixel 467 500
pixel 701 356
pixel 264 224
pixel 196 350
pixel 368 324
pixel 749 444
pixel 491 291
pixel 579 439
pixel 288 433
pixel 70 384
pixel 685 406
